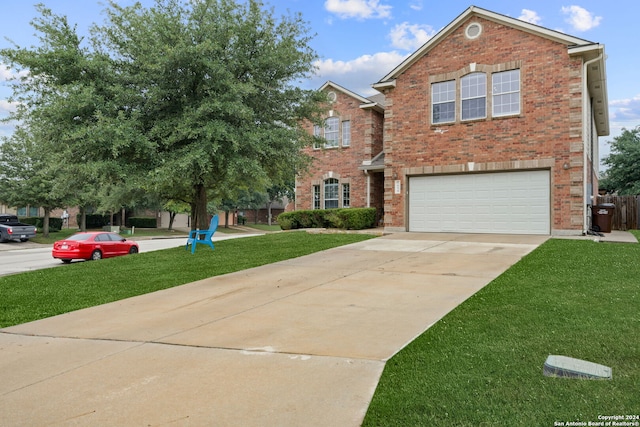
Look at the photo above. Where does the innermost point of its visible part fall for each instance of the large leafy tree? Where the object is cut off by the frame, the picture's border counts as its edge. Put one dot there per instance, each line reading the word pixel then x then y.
pixel 69 104
pixel 623 173
pixel 186 99
pixel 26 176
pixel 212 83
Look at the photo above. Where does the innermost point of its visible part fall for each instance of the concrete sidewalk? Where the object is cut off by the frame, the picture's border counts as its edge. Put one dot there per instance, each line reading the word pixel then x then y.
pixel 299 342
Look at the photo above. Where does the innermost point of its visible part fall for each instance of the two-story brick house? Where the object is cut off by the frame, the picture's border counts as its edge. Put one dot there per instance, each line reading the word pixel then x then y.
pixel 352 137
pixel 491 126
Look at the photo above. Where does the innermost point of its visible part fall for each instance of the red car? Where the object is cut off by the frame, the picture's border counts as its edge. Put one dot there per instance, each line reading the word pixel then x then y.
pixel 93 245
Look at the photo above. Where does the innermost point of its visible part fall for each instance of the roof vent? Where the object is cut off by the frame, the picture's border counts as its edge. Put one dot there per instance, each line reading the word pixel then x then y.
pixel 473 30
pixel 332 96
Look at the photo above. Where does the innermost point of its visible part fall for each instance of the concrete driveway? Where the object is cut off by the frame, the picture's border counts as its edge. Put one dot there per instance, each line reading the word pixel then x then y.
pixel 297 343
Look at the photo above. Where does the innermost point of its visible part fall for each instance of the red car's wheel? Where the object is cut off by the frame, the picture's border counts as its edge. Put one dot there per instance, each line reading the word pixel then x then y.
pixel 133 250
pixel 95 255
pixel 66 261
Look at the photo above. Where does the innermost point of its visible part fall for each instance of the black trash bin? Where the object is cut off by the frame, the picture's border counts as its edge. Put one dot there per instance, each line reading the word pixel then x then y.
pixel 602 217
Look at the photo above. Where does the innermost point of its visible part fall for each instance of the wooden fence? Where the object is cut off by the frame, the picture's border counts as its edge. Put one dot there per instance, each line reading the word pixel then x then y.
pixel 625 216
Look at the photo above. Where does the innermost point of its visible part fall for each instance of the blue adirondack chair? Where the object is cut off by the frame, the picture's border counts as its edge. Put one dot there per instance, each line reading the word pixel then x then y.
pixel 202 236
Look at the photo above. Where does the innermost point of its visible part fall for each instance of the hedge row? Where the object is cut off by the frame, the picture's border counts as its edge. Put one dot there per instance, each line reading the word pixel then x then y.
pixel 55 224
pixel 347 218
pixel 94 220
pixel 142 222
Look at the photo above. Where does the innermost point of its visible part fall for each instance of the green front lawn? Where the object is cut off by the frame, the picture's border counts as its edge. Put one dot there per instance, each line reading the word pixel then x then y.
pixel 482 364
pixel 43 293
pixel 264 227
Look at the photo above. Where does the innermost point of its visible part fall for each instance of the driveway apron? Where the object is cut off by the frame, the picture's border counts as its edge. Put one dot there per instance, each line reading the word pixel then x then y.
pixel 301 342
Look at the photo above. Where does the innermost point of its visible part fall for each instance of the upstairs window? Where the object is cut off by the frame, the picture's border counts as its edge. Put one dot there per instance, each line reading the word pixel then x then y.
pixel 317 132
pixel 506 93
pixel 443 102
pixel 331 193
pixel 331 133
pixel 346 133
pixel 474 96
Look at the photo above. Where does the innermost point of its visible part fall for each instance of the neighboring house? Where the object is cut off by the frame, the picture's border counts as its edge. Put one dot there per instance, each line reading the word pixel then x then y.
pixel 492 126
pixel 6 209
pixel 348 167
pixel 22 212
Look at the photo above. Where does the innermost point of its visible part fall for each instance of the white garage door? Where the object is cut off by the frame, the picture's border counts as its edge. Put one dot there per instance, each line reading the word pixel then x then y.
pixel 504 203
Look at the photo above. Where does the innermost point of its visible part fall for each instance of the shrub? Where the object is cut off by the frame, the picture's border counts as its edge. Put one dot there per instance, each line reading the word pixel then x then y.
pixel 348 218
pixel 55 224
pixel 285 221
pixel 142 222
pixel 94 220
pixel 334 219
pixel 357 219
pixel 32 220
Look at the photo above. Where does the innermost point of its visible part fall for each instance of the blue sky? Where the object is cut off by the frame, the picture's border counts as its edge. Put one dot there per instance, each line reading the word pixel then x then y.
pixel 359 41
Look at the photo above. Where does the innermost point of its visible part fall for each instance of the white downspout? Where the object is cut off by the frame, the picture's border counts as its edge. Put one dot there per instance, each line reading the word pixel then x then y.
pixel 586 111
pixel 366 172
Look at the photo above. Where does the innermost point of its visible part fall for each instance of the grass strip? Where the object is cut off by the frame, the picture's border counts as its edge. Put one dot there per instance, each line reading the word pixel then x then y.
pixel 481 365
pixel 43 293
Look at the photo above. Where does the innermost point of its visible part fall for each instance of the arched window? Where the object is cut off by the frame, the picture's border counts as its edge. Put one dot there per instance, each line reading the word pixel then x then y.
pixel 331 193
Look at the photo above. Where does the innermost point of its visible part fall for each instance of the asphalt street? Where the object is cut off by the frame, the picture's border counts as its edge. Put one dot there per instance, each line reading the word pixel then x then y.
pixel 18 257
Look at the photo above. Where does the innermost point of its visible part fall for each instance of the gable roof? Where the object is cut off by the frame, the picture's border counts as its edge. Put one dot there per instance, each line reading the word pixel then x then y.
pixel 492 16
pixel 375 102
pixel 592 53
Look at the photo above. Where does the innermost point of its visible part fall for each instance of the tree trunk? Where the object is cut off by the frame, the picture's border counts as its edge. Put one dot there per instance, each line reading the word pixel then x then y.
pixel 83 219
pixel 201 217
pixel 269 212
pixel 193 216
pixel 45 225
pixel 172 217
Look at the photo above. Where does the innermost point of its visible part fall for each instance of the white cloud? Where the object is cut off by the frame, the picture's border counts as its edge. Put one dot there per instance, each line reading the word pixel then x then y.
pixel 530 16
pixel 359 9
pixel 7 74
pixel 580 19
pixel 6 107
pixel 407 36
pixel 623 114
pixel 358 74
pixel 625 110
pixel 416 5
pixel 6 130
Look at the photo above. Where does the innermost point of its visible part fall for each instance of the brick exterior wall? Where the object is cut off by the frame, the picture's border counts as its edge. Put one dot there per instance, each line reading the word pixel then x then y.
pixel 341 162
pixel 546 134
